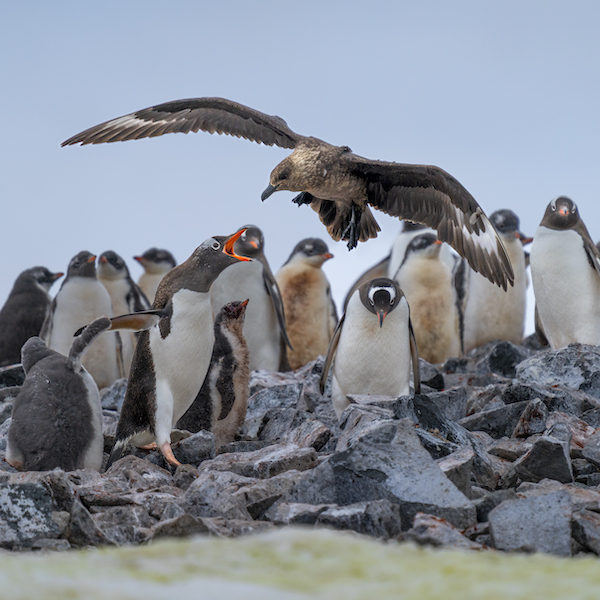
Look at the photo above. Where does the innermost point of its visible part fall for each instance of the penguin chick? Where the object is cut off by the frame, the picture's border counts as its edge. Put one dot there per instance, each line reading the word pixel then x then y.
pixel 310 313
pixel 264 327
pixel 156 264
pixel 372 346
pixel 57 417
pixel 126 297
pixel 565 270
pixel 491 313
pixel 220 405
pixel 80 300
pixel 173 352
pixel 427 282
pixel 24 312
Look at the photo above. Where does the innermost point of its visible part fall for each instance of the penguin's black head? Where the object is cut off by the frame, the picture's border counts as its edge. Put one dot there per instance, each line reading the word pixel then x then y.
pixel 506 223
pixel 42 276
pixel 112 266
pixel 313 250
pixel 412 226
pixel 380 296
pixel 251 243
pixel 561 213
pixel 156 258
pixel 232 311
pixel 425 244
pixel 82 265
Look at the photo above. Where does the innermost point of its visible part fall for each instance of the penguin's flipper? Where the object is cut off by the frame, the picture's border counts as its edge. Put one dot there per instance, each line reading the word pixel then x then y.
pixel 82 342
pixel 378 270
pixel 414 354
pixel 335 338
pixel 138 321
pixel 593 253
pixel 46 329
pixel 275 295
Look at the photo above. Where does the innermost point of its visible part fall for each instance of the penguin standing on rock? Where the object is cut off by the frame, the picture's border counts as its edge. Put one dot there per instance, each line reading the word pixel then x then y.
pixel 126 297
pixel 156 264
pixel 373 346
pixel 565 270
pixel 264 327
pixel 57 417
pixel 80 300
pixel 24 312
pixel 310 313
pixel 428 283
pixel 220 405
pixel 173 352
pixel 491 313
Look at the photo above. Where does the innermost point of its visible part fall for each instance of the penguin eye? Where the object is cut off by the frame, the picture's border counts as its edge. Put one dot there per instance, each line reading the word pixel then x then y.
pixel 215 245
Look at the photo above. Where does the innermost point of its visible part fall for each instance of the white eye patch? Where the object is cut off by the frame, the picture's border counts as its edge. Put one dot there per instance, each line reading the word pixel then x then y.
pixel 390 290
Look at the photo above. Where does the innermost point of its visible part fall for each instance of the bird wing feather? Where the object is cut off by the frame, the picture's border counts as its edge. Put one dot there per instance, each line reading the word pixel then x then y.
pixel 333 344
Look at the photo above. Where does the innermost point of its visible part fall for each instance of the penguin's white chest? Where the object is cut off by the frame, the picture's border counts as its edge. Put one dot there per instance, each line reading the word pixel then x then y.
pixel 372 359
pixel 182 358
pixel 566 287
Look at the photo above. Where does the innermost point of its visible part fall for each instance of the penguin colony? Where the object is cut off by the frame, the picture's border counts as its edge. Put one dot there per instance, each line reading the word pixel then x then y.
pixel 187 336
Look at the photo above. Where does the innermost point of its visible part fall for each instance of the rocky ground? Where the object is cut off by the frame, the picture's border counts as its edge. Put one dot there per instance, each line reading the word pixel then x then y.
pixel 501 451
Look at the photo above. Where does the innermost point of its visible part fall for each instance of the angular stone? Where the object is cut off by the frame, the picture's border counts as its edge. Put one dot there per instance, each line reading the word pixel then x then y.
pixel 112 398
pixel 5 410
pixel 487 398
pixel 541 523
pixel 452 402
pixel 429 530
pixel 510 449
pixel 83 530
pixel 579 430
pixel 358 421
pixel 25 515
pixel 379 518
pixel 549 458
pixel 576 367
pixel 276 424
pixel 586 530
pixel 498 422
pixel 306 431
pixel 401 471
pixel 591 450
pixel 155 502
pixel 139 474
pixel 264 463
pixel 62 491
pixel 125 524
pixel 532 420
pixel 437 446
pixel 184 476
pixel 458 468
pixel 235 527
pixel 486 504
pixel 581 498
pixel 181 527
pixel 198 447
pixel 11 376
pixel 295 513
pixel 502 359
pixel 49 545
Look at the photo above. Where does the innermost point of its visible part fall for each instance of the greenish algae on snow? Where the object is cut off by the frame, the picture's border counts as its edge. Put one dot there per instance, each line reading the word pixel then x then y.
pixel 295 564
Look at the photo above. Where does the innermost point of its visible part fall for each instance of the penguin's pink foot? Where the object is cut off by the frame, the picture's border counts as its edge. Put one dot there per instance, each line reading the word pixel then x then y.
pixel 151 446
pixel 167 452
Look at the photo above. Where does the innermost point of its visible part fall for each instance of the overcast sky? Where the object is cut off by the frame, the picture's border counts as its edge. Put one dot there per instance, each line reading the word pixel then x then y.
pixel 503 95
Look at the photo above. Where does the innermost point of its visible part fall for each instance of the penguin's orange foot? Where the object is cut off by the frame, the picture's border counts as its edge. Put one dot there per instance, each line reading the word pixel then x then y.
pixel 168 454
pixel 151 446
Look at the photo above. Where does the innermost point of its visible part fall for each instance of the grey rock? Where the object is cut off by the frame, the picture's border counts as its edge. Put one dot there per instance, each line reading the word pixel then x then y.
pixel 156 502
pixel 486 398
pixel 488 502
pixel 83 530
pixel 57 482
pixel 25 515
pixel 51 545
pixel 510 449
pixel 540 523
pixel 458 468
pixel 112 398
pixel 295 513
pixel 307 431
pixel 125 524
pixel 184 476
pixel 10 376
pixel 242 446
pixel 532 420
pixel 498 422
pixel 548 458
pixel 181 527
pixel 198 447
pixel 452 402
pixel 429 530
pixel 591 450
pixel 582 498
pixel 400 471
pixel 586 529
pixel 139 474
pixel 264 463
pixel 359 420
pixel 436 445
pixel 576 367
pixel 379 518
pixel 3 437
pixel 275 425
pixel 5 410
pixel 579 431
pixel 502 359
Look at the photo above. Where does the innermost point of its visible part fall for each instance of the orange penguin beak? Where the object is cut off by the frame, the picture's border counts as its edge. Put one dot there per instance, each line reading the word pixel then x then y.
pixel 228 247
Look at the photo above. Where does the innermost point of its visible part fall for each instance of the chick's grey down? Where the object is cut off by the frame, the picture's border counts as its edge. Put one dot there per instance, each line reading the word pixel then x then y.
pixel 338 184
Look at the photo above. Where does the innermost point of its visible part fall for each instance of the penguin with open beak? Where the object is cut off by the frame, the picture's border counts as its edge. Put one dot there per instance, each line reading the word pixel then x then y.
pixel 372 346
pixel 173 352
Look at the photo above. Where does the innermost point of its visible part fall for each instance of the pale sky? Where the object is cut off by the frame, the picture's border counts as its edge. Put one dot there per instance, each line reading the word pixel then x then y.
pixel 503 95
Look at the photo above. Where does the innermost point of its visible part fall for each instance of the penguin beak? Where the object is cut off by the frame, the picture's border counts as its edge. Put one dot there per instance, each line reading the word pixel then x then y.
pixel 56 276
pixel 103 259
pixel 254 244
pixel 270 189
pixel 139 259
pixel 92 258
pixel 563 211
pixel 327 256
pixel 382 315
pixel 228 247
pixel 524 240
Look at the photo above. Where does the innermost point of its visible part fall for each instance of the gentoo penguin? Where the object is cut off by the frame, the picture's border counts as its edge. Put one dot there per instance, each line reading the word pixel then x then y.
pixel 565 270
pixel 126 297
pixel 310 314
pixel 372 346
pixel 491 313
pixel 339 185
pixel 264 327
pixel 57 416
pixel 80 300
pixel 24 311
pixel 156 264
pixel 220 405
pixel 173 352
pixel 428 284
